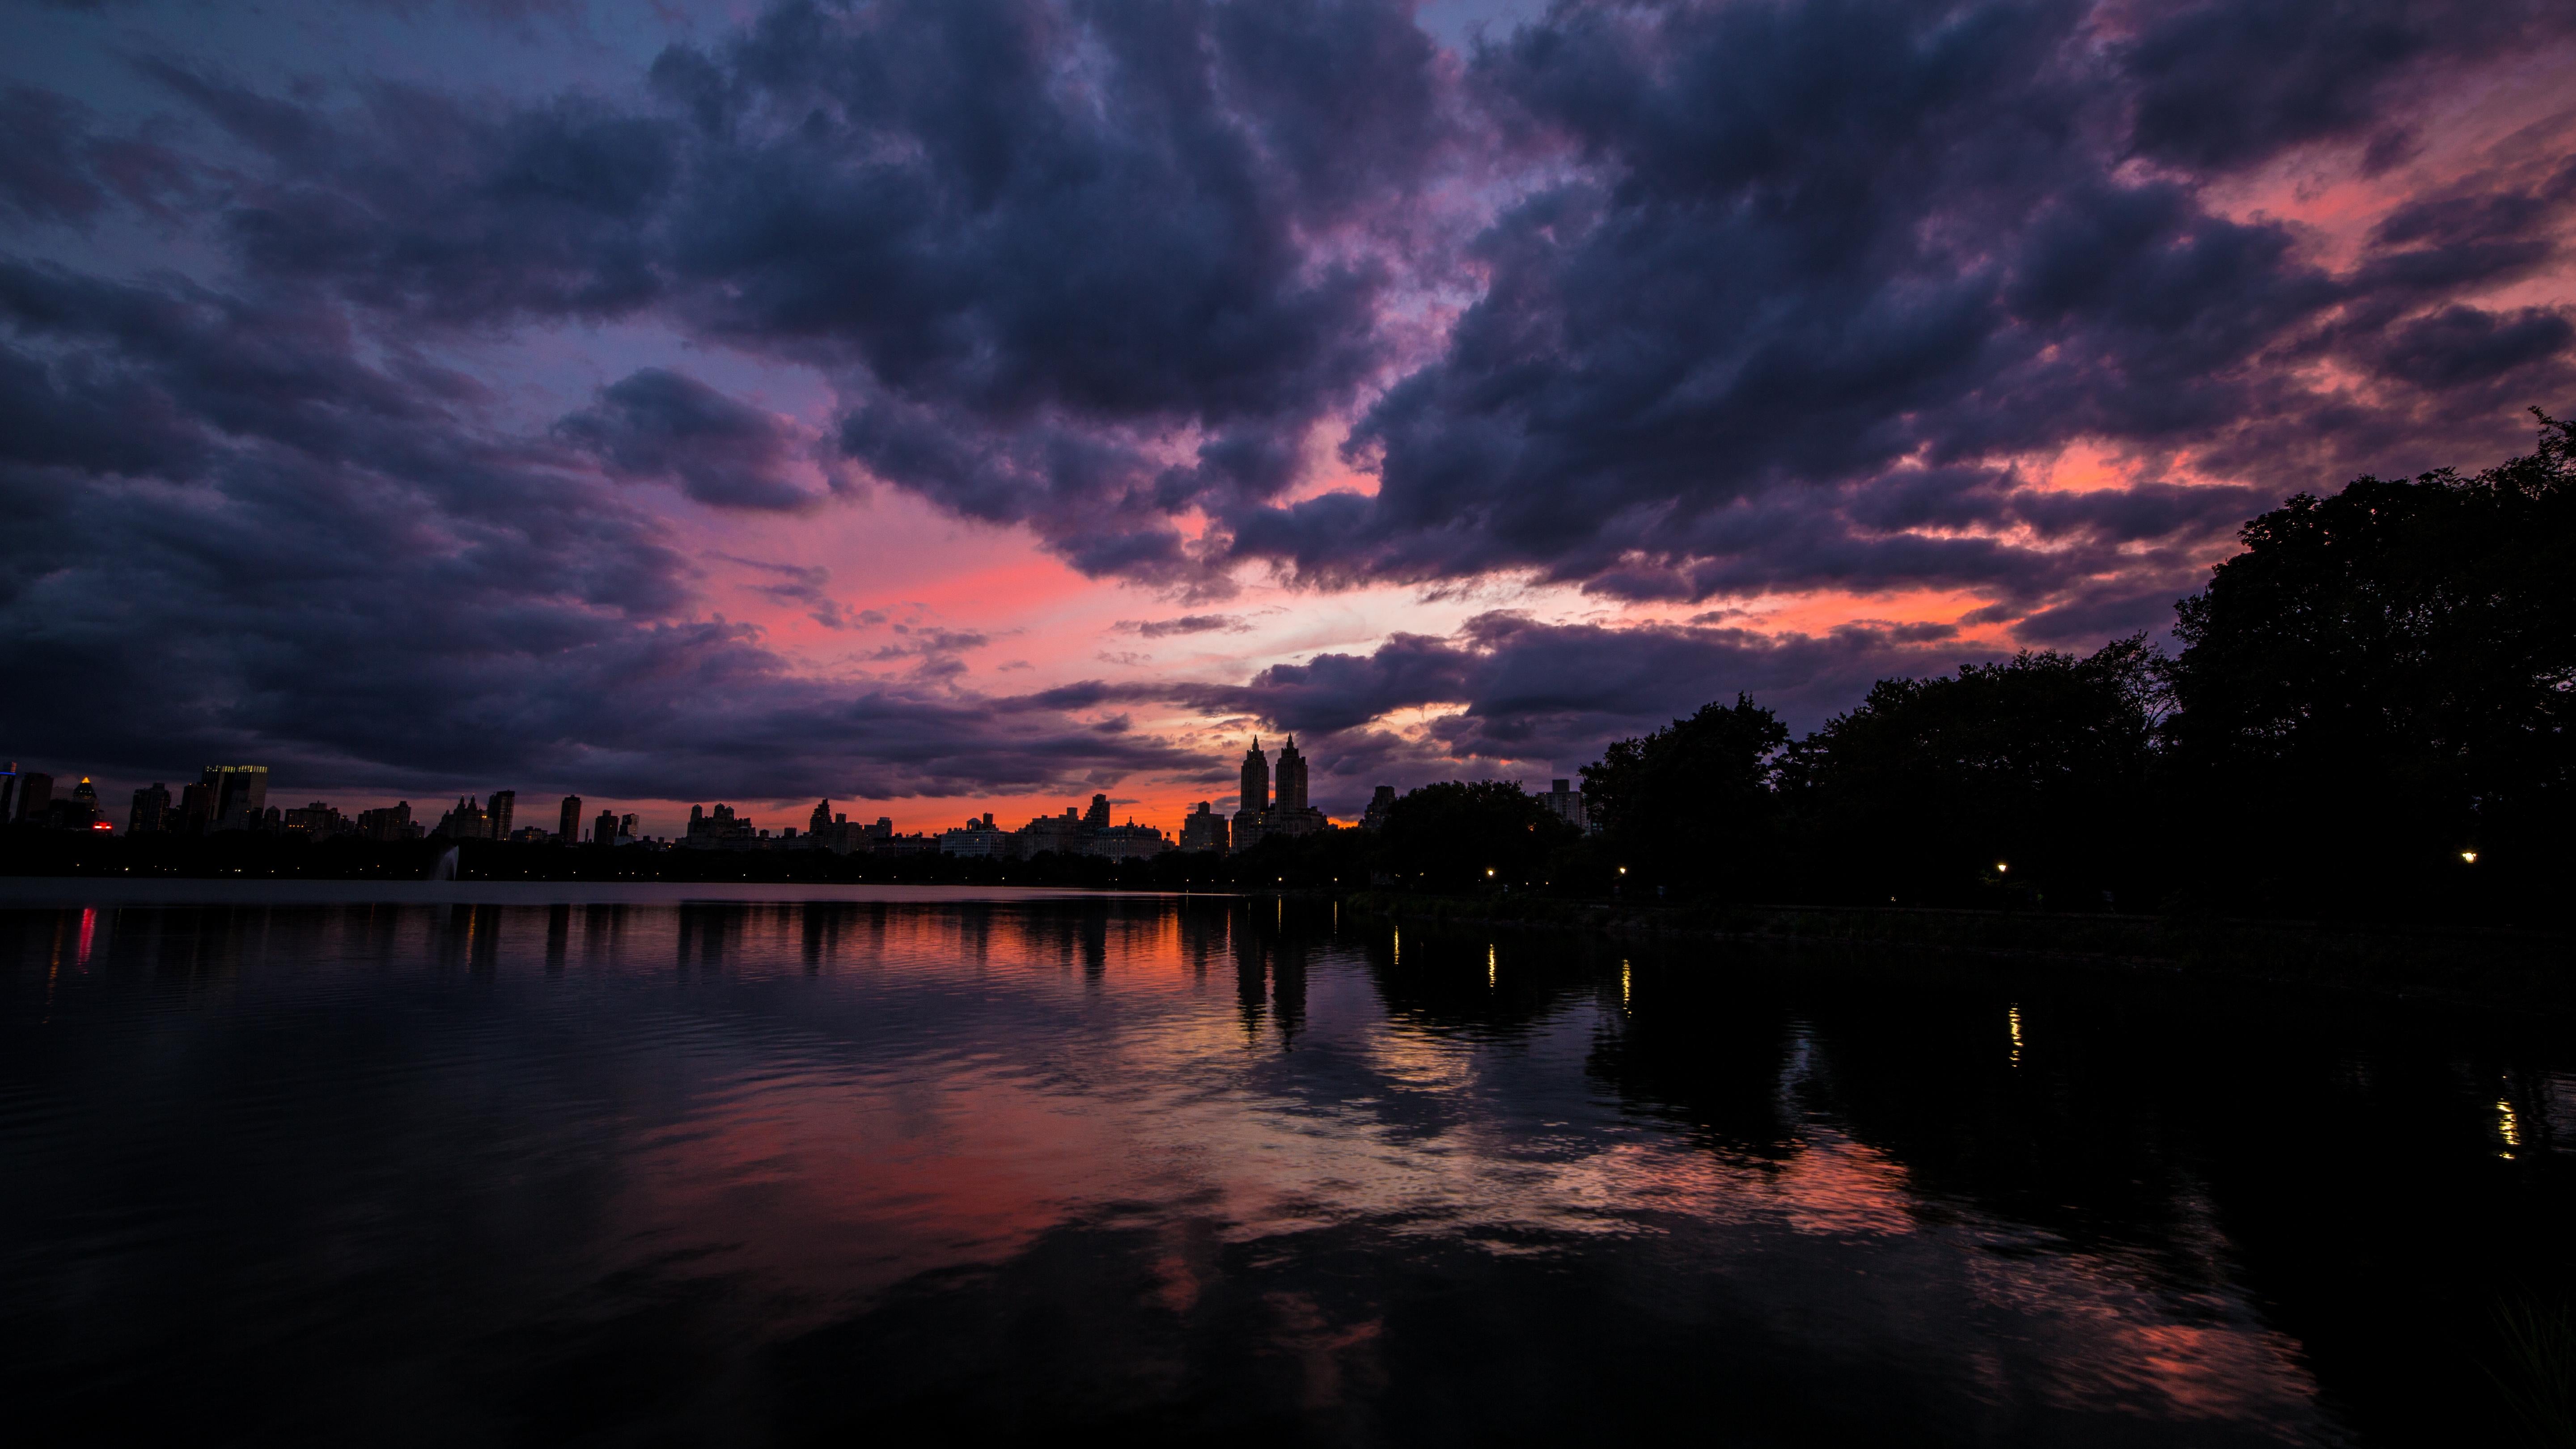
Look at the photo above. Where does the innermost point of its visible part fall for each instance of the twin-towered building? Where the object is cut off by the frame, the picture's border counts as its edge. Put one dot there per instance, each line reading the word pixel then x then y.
pixel 1258 816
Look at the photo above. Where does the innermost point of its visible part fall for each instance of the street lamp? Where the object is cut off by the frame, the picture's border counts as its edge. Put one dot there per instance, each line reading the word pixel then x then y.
pixel 2001 868
pixel 2469 856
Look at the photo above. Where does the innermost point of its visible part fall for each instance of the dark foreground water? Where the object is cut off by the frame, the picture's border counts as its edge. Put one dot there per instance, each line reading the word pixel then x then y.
pixel 937 1169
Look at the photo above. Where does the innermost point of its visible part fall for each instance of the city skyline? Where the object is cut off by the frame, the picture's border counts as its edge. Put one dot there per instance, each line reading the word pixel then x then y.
pixel 223 808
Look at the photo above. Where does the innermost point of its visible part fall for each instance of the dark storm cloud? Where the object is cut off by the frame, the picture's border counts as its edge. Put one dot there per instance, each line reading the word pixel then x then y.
pixel 2460 345
pixel 1671 301
pixel 661 425
pixel 1079 270
pixel 1094 269
pixel 2228 82
pixel 54 166
pixel 234 533
pixel 1807 250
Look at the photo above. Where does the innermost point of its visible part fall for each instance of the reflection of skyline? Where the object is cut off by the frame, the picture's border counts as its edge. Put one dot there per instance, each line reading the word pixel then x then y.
pixel 827 1105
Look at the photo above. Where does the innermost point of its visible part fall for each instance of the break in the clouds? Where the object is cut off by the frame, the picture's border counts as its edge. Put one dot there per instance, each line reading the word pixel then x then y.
pixel 1684 306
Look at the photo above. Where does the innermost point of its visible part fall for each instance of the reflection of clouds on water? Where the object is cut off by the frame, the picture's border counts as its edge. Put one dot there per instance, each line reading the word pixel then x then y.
pixel 846 1114
pixel 869 1178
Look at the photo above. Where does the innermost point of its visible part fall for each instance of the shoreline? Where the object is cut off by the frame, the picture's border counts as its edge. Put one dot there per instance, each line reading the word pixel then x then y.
pixel 2483 966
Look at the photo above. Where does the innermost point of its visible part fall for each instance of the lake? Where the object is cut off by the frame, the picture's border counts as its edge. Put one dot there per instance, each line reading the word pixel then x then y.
pixel 323 1163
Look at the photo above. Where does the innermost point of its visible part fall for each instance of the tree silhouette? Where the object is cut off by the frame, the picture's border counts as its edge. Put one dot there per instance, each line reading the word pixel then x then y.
pixel 1446 836
pixel 2384 681
pixel 2038 765
pixel 1691 804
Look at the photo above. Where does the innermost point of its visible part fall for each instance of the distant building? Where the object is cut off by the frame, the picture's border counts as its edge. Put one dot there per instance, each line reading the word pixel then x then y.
pixel 151 813
pixel 569 832
pixel 1252 799
pixel 850 837
pixel 720 829
pixel 893 844
pixel 1292 778
pixel 827 831
pixel 1380 805
pixel 1290 815
pixel 603 831
pixel 497 813
pixel 1097 817
pixel 318 820
pixel 978 840
pixel 1565 804
pixel 1130 841
pixel 466 821
pixel 9 794
pixel 1203 831
pixel 76 811
pixel 240 795
pixel 196 809
pixel 393 822
pixel 35 793
pixel 1056 834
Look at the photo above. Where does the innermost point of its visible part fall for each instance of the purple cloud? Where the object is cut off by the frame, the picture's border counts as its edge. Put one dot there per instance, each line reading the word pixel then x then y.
pixel 1675 302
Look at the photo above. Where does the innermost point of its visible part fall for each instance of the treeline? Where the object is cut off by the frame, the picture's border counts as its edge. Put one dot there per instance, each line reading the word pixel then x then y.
pixel 2367 717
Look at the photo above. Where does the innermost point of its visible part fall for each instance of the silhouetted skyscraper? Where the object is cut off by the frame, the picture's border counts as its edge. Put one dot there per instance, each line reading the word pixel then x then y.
pixel 604 829
pixel 1255 795
pixel 1292 779
pixel 569 832
pixel 151 810
pixel 1380 804
pixel 35 792
pixel 1097 817
pixel 196 809
pixel 240 795
pixel 820 822
pixel 466 822
pixel 498 810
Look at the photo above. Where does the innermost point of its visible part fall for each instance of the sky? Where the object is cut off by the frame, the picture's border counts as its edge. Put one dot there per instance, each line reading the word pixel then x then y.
pixel 951 406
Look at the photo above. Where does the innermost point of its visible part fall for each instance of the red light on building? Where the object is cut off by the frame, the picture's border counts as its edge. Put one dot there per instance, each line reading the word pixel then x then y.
pixel 100 825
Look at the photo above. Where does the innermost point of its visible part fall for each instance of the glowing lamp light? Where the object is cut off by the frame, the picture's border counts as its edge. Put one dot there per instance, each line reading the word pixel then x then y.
pixel 100 825
pixel 2001 868
pixel 1623 870
pixel 1489 874
pixel 2469 856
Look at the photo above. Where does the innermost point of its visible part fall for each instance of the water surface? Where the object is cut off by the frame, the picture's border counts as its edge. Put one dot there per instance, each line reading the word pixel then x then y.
pixel 653 1167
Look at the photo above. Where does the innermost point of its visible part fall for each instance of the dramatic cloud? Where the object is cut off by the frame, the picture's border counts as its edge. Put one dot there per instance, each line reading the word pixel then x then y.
pixel 1822 262
pixel 660 425
pixel 235 537
pixel 2020 305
